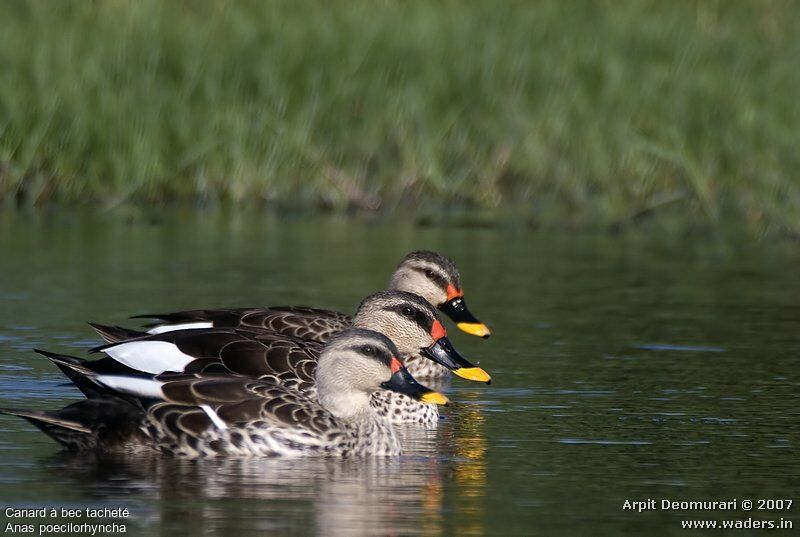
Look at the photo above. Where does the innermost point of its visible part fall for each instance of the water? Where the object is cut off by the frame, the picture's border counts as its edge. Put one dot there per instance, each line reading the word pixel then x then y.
pixel 625 368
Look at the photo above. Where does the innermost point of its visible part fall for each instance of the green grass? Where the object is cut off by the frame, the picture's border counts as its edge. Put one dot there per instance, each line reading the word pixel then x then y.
pixel 584 113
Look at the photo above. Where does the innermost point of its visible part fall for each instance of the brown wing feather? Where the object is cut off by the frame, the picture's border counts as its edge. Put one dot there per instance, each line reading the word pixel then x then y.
pixel 248 353
pixel 205 343
pixel 199 390
pixel 237 400
pixel 301 322
pixel 272 355
pixel 222 317
pixel 294 321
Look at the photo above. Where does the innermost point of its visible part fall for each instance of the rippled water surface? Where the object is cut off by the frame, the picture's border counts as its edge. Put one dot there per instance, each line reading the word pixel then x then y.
pixel 628 367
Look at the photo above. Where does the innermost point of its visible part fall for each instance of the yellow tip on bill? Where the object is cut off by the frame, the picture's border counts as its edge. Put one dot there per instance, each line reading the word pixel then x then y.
pixel 476 329
pixel 435 398
pixel 473 373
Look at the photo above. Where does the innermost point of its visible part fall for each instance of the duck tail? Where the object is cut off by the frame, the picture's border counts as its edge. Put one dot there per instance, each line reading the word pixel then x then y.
pixel 65 362
pixel 83 373
pixel 77 370
pixel 70 434
pixel 115 334
pixel 103 423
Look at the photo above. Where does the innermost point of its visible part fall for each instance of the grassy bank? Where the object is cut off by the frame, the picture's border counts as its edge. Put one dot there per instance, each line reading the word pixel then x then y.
pixel 586 112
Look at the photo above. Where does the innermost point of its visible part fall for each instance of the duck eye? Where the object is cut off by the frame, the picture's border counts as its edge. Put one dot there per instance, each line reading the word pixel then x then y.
pixel 408 312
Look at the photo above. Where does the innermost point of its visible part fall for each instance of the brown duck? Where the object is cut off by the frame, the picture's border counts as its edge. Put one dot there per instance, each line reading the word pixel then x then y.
pixel 427 274
pixel 222 414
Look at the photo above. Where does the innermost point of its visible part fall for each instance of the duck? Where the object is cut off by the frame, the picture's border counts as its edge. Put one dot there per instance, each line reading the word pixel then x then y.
pixel 409 321
pixel 217 414
pixel 428 274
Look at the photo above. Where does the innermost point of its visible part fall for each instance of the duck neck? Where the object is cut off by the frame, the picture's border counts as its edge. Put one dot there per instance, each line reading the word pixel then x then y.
pixel 351 406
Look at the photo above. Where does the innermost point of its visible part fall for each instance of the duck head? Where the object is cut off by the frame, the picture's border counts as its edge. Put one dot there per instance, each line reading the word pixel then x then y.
pixel 357 362
pixel 435 278
pixel 411 323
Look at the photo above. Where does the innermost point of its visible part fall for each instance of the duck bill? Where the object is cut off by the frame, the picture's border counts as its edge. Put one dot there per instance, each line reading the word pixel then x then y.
pixel 457 310
pixel 443 353
pixel 401 381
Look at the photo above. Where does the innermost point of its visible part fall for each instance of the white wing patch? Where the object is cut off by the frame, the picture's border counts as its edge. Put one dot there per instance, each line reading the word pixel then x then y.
pixel 212 414
pixel 132 385
pixel 153 357
pixel 160 329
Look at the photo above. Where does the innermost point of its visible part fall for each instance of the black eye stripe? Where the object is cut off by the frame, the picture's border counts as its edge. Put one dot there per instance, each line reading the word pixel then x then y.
pixel 379 353
pixel 419 317
pixel 437 278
